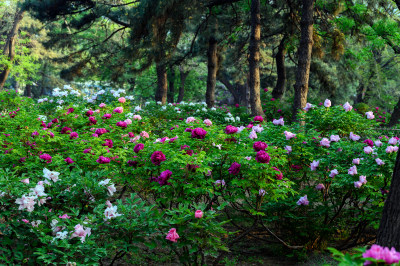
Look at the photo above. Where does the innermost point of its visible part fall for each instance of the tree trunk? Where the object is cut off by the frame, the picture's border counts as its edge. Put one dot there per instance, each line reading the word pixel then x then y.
pixel 389 229
pixel 395 117
pixel 304 57
pixel 212 56
pixel 28 90
pixel 183 76
pixel 280 86
pixel 254 59
pixel 171 85
pixel 162 85
pixel 9 48
pixel 132 83
pixel 231 88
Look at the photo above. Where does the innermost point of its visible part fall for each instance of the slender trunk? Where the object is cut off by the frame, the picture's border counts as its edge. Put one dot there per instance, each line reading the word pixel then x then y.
pixel 28 90
pixel 389 229
pixel 171 85
pixel 162 85
pixel 395 117
pixel 231 88
pixel 9 48
pixel 132 83
pixel 280 86
pixel 254 59
pixel 183 76
pixel 304 57
pixel 212 65
pixel 360 93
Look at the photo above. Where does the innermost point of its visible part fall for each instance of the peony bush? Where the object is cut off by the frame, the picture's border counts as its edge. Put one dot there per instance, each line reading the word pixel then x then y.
pixel 103 179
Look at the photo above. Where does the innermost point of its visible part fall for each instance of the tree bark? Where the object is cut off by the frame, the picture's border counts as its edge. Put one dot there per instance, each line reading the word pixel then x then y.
pixel 304 57
pixel 280 86
pixel 171 85
pixel 9 48
pixel 395 117
pixel 212 66
pixel 254 59
pixel 183 76
pixel 28 90
pixel 162 86
pixel 389 229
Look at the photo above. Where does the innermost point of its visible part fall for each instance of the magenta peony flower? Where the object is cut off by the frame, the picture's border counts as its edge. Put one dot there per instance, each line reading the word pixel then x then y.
pixel 199 133
pixel 69 160
pixel 198 214
pixel 65 130
pixel 122 124
pixel 89 113
pixel 172 235
pixel 103 160
pixel 279 175
pixel 164 177
pixel 369 142
pixel 262 157
pixel 377 252
pixel 235 168
pixel 73 135
pixel 106 116
pixel 138 147
pixel 45 157
pixel 231 129
pixel 157 157
pixel 100 131
pixel 109 143
pixel 93 120
pixel 118 110
pixel 258 118
pixel 259 146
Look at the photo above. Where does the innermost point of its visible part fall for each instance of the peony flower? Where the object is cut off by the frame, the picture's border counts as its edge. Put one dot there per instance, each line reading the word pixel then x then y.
pixel 327 103
pixel 334 138
pixel 46 157
pixel 102 105
pixel 378 143
pixel 320 187
pixel 81 232
pixel 111 189
pixel 392 141
pixel 103 160
pixel 118 110
pixel 198 214
pixel 308 107
pixel 369 142
pixel 68 160
pixel 198 133
pixel 368 150
pixel 138 147
pixel 164 177
pixel 258 118
pixel 379 161
pixel 352 170
pixel 207 122
pixel 354 137
pixel 289 135
pixel 144 134
pixel 25 181
pixel 73 135
pixel 259 146
pixel 190 119
pixel 101 131
pixel 128 121
pixel 262 157
pixel 111 211
pixel 50 175
pixel 258 128
pixel 303 201
pixel 356 161
pixel 357 184
pixel 65 216
pixel 325 142
pixel 234 169
pixel 278 121
pixel 314 165
pixel 253 135
pixel 347 107
pixel 107 116
pixel 261 192
pixel 220 182
pixel 172 235
pixel 390 256
pixel 288 149
pixel 122 124
pixel 370 115
pixel 26 202
pixel 122 100
pixel 231 129
pixel 363 179
pixel 279 175
pixel 333 173
pixel 157 157
pixel 137 117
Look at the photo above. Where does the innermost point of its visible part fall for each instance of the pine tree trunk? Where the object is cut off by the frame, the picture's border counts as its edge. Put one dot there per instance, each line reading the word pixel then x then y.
pixel 183 76
pixel 28 90
pixel 395 117
pixel 254 59
pixel 304 57
pixel 389 229
pixel 280 86
pixel 171 85
pixel 9 48
pixel 212 66
pixel 162 85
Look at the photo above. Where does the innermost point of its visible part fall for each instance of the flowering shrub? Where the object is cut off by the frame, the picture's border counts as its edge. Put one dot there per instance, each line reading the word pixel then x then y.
pixel 68 171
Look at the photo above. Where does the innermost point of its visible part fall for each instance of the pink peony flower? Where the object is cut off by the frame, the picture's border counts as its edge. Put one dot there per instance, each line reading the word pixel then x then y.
pixel 357 184
pixel 379 161
pixel 122 124
pixel 258 119
pixel 325 142
pixel 320 187
pixel 378 143
pixel 190 119
pixel 303 201
pixel 172 235
pixel 102 105
pixel 144 134
pixel 231 129
pixel 73 135
pixel 327 103
pixel 370 115
pixel 234 169
pixel 368 150
pixel 137 117
pixel 25 181
pixel 392 141
pixel 278 121
pixel 128 121
pixel 262 157
pixel 363 179
pixel 352 170
pixel 347 107
pixel 253 135
pixel 157 157
pixel 26 202
pixel 377 252
pixel 308 107
pixel 288 149
pixel 333 173
pixel 354 137
pixel 314 165
pixel 81 232
pixel 118 110
pixel 356 161
pixel 289 135
pixel 122 100
pixel 207 122
pixel 65 216
pixel 198 214
pixel 334 138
